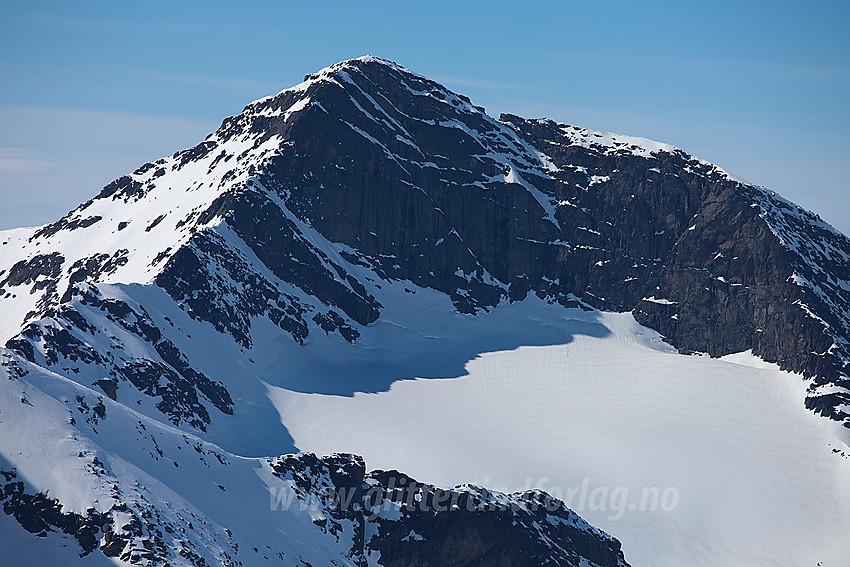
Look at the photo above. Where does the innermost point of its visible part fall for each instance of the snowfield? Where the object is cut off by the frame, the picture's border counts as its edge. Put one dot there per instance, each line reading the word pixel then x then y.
pixel 161 354
pixel 757 479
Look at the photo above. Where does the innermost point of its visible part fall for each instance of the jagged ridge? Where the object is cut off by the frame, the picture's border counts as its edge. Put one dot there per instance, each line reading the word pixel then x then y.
pixel 368 164
pixel 310 214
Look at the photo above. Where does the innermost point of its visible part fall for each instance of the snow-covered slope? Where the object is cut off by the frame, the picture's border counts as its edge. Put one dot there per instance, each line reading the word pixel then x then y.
pixel 688 460
pixel 98 481
pixel 273 288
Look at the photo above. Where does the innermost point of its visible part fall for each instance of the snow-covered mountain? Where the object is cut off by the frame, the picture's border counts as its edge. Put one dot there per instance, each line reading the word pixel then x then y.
pixel 265 291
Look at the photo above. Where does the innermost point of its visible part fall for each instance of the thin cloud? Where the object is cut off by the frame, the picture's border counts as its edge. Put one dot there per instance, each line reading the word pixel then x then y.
pixel 22 160
pixel 110 24
pixel 217 82
pixel 688 64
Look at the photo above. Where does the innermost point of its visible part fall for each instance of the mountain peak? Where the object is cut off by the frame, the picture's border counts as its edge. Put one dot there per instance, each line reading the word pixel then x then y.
pixel 365 64
pixel 368 73
pixel 366 165
pixel 369 226
pixel 361 63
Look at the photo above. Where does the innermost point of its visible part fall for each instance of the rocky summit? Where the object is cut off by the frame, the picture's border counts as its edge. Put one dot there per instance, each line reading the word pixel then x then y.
pixel 143 329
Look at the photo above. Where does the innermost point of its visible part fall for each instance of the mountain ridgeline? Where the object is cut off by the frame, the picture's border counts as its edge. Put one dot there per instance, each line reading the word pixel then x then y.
pixel 171 292
pixel 413 183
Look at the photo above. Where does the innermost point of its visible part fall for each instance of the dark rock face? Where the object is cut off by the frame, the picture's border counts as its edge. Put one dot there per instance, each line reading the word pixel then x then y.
pixel 419 524
pixel 469 528
pixel 69 342
pixel 39 514
pixel 198 276
pixel 426 190
pixel 365 176
pixel 37 271
pixel 69 222
pixel 383 515
pixel 410 181
pixel 277 243
pixel 134 534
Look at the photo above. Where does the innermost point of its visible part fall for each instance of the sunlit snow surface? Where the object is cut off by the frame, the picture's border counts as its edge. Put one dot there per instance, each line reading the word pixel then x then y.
pixel 755 473
pixel 528 394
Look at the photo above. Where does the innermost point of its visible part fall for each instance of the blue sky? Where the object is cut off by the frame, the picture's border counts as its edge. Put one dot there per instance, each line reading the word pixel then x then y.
pixel 89 91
